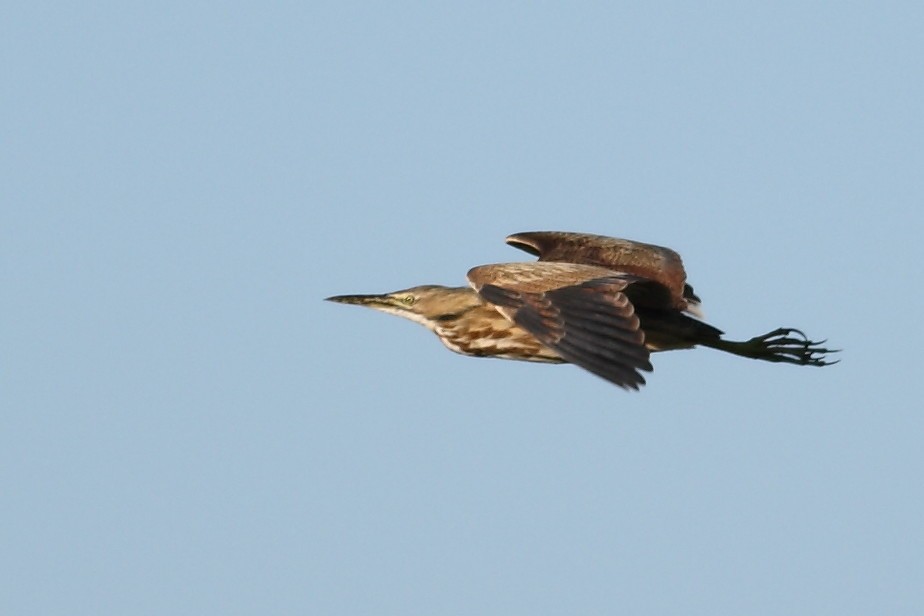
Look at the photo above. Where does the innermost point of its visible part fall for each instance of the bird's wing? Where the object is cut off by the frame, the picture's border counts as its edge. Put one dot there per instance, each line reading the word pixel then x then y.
pixel 579 311
pixel 656 263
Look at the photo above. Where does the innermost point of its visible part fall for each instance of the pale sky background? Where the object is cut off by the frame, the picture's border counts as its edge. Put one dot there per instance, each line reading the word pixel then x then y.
pixel 187 428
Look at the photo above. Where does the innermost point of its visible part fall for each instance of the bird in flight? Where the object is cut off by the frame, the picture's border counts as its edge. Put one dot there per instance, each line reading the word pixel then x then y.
pixel 602 303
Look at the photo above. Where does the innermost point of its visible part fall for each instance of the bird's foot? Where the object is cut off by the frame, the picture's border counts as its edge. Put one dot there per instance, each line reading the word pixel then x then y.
pixel 790 346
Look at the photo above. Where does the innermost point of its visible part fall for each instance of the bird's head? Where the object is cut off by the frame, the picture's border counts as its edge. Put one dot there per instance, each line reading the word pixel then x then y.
pixel 428 305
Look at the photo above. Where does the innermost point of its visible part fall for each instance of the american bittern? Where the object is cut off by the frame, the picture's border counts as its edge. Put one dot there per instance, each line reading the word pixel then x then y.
pixel 598 302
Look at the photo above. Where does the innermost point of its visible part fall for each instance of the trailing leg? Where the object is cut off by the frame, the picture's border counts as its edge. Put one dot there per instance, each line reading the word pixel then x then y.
pixel 781 345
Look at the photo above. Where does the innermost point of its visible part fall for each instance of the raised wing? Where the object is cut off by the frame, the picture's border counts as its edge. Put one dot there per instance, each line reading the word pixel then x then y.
pixel 655 263
pixel 579 311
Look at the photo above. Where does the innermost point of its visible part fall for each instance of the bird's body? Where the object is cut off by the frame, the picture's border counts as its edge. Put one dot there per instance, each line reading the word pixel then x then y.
pixel 601 303
pixel 478 332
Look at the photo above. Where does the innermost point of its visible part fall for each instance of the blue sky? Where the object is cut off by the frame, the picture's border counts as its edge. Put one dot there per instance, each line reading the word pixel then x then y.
pixel 188 428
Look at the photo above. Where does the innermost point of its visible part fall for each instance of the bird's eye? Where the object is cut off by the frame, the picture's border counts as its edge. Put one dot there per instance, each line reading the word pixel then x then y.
pixel 408 300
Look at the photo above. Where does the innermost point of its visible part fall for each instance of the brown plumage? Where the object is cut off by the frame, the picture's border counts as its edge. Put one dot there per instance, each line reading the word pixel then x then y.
pixel 598 302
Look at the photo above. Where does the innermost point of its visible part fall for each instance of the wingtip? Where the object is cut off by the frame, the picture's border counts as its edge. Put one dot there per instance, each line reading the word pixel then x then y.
pixel 525 241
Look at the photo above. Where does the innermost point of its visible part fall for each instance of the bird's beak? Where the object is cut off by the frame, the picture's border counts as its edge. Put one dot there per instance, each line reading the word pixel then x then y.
pixel 362 300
